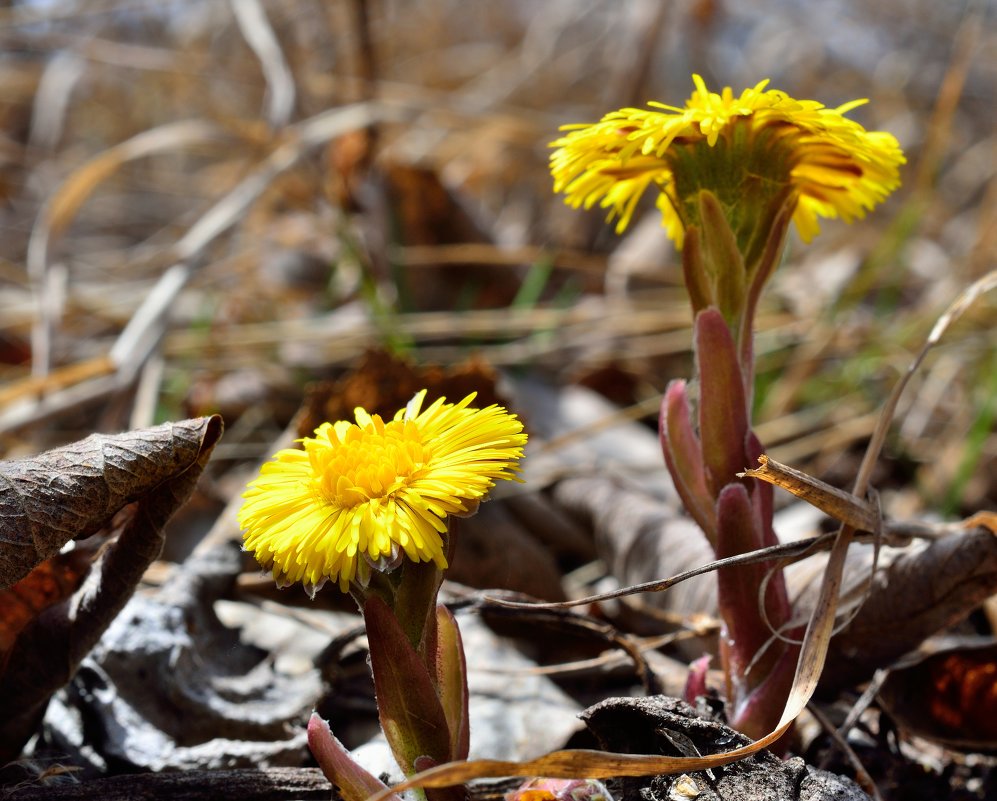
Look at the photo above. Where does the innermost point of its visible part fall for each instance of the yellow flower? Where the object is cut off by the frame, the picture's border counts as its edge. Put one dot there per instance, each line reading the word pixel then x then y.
pixel 361 494
pixel 773 147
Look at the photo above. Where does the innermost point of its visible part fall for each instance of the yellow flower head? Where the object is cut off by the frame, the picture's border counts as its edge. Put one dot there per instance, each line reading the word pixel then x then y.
pixel 361 494
pixel 770 144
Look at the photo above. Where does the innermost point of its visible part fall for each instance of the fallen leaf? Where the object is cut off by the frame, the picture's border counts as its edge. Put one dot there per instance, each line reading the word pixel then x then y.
pixel 71 493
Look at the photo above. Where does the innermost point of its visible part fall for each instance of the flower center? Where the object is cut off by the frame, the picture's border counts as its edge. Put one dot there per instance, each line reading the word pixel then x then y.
pixel 368 463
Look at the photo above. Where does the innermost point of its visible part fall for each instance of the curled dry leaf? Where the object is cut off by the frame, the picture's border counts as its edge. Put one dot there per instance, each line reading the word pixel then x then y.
pixel 129 484
pixel 72 492
pixel 916 593
pixel 834 502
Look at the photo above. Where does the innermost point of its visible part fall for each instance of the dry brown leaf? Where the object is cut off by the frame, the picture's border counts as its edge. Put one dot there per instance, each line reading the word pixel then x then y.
pixel 916 593
pixel 128 483
pixel 836 503
pixel 72 492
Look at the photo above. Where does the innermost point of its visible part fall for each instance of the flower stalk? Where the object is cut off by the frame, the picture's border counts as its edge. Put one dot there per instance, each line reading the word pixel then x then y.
pixel 732 173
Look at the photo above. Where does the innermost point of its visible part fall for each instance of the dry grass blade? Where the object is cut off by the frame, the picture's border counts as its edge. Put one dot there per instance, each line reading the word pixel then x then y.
pixel 788 551
pixel 861 774
pixel 575 764
pixel 63 205
pixel 57 379
pixel 590 627
pixel 51 102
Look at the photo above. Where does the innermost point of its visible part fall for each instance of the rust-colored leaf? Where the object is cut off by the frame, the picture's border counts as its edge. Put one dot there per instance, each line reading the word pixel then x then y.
pixel 349 158
pixel 982 519
pixel 50 582
pixel 949 696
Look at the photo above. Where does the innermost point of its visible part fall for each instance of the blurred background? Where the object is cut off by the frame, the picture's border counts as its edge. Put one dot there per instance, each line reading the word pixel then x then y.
pixel 205 206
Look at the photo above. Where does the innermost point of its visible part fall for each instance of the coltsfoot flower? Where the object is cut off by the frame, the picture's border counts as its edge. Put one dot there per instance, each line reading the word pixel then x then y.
pixel 756 151
pixel 367 494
